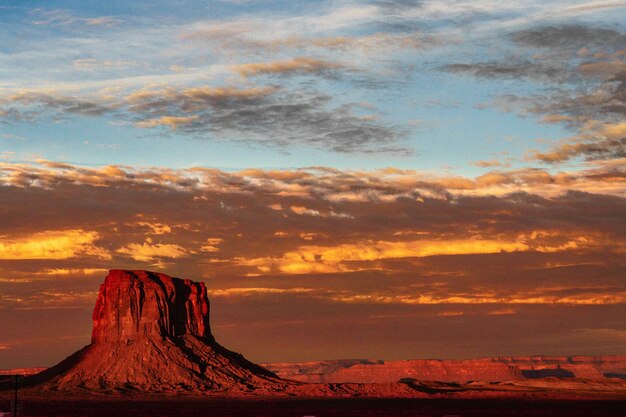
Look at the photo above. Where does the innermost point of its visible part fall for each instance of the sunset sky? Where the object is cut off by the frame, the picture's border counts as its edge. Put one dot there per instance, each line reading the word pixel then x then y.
pixel 351 179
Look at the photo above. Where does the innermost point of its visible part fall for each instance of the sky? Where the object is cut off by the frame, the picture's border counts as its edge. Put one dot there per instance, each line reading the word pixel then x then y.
pixel 351 179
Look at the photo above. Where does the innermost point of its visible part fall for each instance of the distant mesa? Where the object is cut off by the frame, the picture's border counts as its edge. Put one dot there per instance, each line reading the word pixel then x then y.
pixel 496 369
pixel 151 333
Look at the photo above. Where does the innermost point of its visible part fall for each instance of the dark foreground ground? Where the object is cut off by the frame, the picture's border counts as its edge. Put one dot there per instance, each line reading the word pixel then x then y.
pixel 361 407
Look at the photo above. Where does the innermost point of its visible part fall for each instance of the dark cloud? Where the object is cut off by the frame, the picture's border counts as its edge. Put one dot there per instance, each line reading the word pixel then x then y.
pixel 567 37
pixel 35 103
pixel 587 64
pixel 273 119
pixel 512 70
pixel 576 108
pixel 265 115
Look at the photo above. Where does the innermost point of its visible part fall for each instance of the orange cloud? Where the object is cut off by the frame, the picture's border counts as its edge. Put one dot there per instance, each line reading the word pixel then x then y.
pixel 59 244
pixel 311 212
pixel 211 244
pixel 156 228
pixel 451 314
pixel 295 65
pixel 257 290
pixel 330 259
pixel 328 185
pixel 147 251
pixel 583 299
pixel 172 121
pixel 193 97
pixel 66 271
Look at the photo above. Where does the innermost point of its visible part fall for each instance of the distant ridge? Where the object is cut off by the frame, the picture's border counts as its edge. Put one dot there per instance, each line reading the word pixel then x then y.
pixel 447 370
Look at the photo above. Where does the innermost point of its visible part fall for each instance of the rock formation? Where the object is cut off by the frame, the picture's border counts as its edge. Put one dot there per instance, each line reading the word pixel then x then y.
pixel 458 371
pixel 132 305
pixel 151 332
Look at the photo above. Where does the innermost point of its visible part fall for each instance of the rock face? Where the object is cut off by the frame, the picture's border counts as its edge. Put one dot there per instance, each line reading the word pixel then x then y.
pixel 151 333
pixel 135 304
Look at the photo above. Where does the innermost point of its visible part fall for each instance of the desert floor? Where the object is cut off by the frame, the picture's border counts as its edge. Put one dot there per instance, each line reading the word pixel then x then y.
pixel 283 407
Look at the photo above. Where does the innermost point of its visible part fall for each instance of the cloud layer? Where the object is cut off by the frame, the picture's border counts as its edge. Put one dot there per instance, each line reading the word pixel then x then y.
pixel 353 245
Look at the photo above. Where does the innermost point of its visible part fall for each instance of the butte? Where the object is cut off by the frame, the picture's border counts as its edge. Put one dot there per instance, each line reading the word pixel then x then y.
pixel 151 332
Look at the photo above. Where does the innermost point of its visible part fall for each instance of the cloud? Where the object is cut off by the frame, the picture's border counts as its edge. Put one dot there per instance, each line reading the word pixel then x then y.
pixel 259 30
pixel 298 65
pixel 374 45
pixel 265 116
pixel 95 64
pixel 323 184
pixel 156 228
pixel 148 251
pixel 491 163
pixel 582 69
pixel 36 103
pixel 260 115
pixel 246 291
pixel 212 244
pixel 74 271
pixel 320 259
pixel 483 299
pixel 54 244
pixel 59 17
pixel 596 141
pixel 174 122
pixel 311 212
pixel 569 37
pixel 537 241
pixel 597 5
pixel 511 70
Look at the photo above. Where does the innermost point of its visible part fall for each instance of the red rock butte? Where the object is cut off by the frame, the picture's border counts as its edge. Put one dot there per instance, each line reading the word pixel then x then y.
pixel 151 333
pixel 134 304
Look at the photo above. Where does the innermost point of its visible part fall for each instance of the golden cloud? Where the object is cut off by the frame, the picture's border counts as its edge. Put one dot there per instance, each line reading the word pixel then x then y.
pixel 258 290
pixel 57 244
pixel 156 228
pixel 331 259
pixel 211 244
pixel 324 184
pixel 72 271
pixel 194 96
pixel 148 251
pixel 583 299
pixel 172 121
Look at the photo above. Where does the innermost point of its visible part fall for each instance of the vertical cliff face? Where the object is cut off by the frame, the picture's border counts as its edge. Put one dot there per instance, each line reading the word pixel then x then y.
pixel 151 332
pixel 133 304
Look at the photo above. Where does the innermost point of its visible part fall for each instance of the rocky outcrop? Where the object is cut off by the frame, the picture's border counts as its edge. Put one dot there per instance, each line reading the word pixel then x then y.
pixel 151 333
